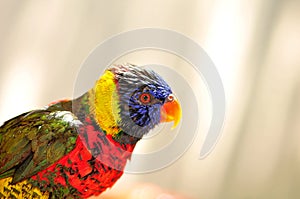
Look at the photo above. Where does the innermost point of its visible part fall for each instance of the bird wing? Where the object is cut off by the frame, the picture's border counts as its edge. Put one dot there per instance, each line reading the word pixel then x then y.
pixel 35 140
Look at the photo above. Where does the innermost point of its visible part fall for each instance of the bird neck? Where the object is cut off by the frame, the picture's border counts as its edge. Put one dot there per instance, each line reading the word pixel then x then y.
pixel 104 104
pixel 85 111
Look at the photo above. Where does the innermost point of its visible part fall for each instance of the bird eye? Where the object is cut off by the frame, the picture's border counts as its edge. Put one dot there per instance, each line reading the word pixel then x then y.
pixel 145 98
pixel 170 98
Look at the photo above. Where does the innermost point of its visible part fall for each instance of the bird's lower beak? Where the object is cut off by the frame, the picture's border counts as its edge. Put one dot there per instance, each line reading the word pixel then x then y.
pixel 171 112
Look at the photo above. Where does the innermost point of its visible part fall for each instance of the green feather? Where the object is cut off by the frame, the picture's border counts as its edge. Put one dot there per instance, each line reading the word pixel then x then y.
pixel 35 140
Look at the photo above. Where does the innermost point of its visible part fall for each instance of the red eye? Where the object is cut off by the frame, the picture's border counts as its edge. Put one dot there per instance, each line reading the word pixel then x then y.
pixel 145 98
pixel 170 98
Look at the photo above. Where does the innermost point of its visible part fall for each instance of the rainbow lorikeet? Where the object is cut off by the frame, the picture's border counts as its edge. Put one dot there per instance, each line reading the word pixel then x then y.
pixel 79 148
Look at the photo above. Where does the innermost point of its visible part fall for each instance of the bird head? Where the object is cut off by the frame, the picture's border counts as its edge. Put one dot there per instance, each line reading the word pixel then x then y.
pixel 139 100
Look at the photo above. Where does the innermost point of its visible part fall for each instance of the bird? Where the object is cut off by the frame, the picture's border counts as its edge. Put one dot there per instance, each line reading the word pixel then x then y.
pixel 77 148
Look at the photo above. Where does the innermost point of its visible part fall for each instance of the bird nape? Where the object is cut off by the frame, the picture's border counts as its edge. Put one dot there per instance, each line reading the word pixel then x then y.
pixel 79 148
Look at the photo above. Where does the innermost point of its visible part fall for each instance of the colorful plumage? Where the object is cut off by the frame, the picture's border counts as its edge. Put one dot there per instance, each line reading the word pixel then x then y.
pixel 79 148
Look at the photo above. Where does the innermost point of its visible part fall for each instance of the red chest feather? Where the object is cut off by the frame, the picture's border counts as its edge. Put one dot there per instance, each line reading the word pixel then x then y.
pixel 94 165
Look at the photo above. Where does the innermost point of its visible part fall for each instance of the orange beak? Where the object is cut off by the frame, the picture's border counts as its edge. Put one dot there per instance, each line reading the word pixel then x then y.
pixel 171 111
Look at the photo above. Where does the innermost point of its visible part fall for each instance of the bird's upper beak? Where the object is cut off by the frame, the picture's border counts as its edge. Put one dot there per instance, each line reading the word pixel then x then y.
pixel 171 111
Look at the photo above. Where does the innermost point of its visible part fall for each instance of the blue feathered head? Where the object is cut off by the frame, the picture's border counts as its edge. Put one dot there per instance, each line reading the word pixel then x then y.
pixel 145 99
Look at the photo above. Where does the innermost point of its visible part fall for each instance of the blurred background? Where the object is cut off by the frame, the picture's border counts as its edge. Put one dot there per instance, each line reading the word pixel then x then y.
pixel 255 46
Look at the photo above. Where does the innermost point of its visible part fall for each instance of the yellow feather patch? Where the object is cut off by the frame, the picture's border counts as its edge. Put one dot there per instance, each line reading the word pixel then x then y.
pixel 104 103
pixel 20 190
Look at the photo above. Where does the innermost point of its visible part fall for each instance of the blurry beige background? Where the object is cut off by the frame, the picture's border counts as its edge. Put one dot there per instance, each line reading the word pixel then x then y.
pixel 254 44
